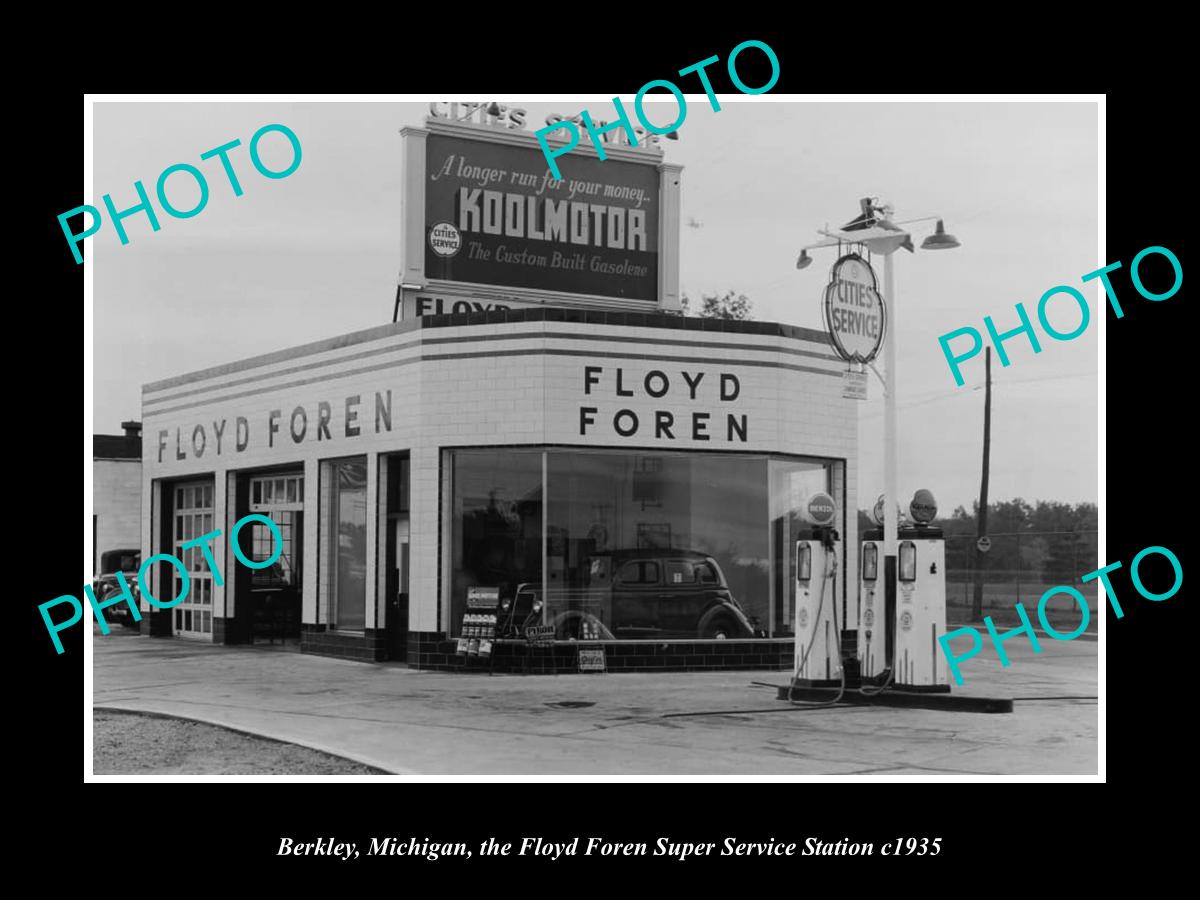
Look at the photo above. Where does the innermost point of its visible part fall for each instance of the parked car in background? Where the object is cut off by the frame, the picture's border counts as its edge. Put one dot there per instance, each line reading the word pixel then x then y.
pixel 105 584
pixel 672 593
pixel 634 594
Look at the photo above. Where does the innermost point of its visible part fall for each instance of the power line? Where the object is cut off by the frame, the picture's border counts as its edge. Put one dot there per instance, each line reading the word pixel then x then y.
pixel 921 400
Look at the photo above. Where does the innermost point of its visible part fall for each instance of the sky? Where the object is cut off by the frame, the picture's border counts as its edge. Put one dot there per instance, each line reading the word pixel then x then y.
pixel 316 254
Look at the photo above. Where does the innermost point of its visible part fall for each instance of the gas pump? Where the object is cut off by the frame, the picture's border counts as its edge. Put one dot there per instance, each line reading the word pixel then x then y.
pixel 872 629
pixel 897 638
pixel 921 601
pixel 818 654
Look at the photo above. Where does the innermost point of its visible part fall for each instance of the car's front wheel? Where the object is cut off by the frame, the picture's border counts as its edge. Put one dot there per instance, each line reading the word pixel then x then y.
pixel 719 630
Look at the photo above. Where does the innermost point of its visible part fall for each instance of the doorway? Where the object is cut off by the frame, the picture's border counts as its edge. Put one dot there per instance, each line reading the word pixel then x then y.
pixel 275 592
pixel 192 517
pixel 396 558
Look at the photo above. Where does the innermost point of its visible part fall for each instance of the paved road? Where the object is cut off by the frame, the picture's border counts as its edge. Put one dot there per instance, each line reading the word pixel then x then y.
pixel 439 724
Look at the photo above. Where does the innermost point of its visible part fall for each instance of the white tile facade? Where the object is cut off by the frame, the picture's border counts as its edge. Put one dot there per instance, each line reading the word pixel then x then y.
pixel 498 383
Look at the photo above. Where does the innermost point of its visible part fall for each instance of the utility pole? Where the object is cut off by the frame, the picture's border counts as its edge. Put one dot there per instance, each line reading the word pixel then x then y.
pixel 980 556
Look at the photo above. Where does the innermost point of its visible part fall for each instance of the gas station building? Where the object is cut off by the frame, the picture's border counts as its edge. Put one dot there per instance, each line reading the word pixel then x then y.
pixel 539 419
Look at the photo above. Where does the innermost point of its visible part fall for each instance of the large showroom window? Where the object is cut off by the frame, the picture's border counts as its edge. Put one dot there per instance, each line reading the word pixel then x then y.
pixel 628 545
pixel 496 523
pixel 657 545
pixel 347 549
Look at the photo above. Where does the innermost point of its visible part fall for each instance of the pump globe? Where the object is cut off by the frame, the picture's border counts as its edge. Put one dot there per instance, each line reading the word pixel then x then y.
pixel 923 507
pixel 820 509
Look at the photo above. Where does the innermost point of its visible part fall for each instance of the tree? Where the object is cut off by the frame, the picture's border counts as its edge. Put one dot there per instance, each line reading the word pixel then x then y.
pixel 731 305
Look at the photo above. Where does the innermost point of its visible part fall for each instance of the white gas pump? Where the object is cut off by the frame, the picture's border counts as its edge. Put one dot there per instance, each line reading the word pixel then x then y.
pixel 920 601
pixel 872 617
pixel 818 654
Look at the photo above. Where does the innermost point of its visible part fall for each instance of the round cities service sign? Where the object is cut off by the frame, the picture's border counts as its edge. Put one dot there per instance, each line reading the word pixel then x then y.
pixel 854 310
pixel 445 239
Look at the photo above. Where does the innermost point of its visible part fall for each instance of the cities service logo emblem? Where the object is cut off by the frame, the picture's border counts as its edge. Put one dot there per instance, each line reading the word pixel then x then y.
pixel 854 311
pixel 445 239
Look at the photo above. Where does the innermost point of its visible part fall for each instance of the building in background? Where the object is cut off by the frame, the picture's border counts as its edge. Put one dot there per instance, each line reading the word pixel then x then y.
pixel 116 491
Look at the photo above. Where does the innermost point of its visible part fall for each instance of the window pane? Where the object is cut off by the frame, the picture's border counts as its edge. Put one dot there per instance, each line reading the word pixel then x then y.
pixel 291 490
pixel 631 573
pixel 679 572
pixel 496 531
pixel 350 552
pixel 792 483
pixel 256 491
pixel 666 524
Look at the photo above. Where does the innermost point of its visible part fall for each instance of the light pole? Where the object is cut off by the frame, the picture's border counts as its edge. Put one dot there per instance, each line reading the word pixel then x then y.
pixel 874 229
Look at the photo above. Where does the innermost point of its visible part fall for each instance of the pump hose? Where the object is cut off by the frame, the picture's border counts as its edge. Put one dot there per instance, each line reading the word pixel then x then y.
pixel 883 687
pixel 830 570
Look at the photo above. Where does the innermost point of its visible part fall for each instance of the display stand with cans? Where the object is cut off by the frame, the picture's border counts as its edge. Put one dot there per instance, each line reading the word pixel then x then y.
pixel 477 636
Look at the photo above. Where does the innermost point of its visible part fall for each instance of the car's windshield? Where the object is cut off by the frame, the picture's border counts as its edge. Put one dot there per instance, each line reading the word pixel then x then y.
pixel 119 561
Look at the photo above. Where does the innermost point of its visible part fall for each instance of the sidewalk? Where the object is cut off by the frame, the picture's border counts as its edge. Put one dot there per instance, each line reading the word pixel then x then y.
pixel 462 726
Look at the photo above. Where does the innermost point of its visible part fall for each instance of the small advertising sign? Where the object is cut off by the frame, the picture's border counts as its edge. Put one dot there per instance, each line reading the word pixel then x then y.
pixel 478 628
pixel 854 311
pixel 540 635
pixel 592 660
pixel 854 385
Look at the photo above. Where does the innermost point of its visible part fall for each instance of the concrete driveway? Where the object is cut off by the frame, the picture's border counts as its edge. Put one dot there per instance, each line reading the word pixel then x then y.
pixel 440 724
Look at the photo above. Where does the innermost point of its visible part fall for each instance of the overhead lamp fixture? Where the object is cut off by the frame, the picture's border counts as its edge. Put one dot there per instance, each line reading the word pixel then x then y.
pixel 804 261
pixel 939 240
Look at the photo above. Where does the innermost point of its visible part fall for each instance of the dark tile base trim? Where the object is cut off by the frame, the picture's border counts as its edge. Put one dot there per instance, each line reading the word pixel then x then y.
pixel 432 650
pixel 157 623
pixel 231 630
pixel 369 646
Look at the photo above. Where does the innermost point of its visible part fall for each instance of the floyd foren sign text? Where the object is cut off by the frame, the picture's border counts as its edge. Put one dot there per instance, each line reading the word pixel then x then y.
pixel 596 132
pixel 1026 327
pixel 126 596
pixel 144 204
pixel 626 423
pixel 1102 574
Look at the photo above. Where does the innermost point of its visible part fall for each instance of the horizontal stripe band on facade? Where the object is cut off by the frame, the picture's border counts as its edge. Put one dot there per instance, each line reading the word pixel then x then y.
pixel 396 348
pixel 155 387
pixel 533 351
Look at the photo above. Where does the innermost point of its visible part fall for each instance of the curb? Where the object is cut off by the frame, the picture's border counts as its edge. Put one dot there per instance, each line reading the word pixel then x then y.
pixel 308 745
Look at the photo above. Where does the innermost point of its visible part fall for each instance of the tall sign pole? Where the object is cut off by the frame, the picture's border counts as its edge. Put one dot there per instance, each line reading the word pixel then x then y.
pixel 891 497
pixel 980 552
